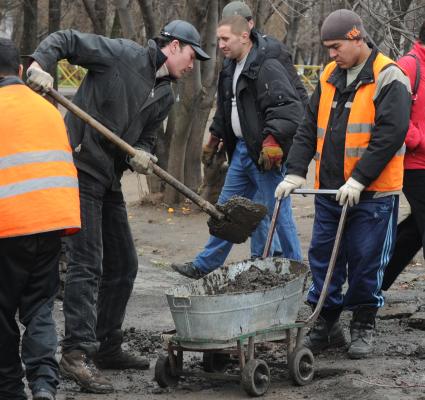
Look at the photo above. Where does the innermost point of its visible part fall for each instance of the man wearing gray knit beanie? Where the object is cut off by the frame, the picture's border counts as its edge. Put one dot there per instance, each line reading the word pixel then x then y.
pixel 354 127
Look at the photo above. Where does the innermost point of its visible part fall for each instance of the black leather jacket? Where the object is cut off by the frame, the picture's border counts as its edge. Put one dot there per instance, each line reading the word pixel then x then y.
pixel 119 81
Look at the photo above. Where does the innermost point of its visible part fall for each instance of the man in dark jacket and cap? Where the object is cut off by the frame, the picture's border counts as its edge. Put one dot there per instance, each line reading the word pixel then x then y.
pixel 257 114
pixel 127 88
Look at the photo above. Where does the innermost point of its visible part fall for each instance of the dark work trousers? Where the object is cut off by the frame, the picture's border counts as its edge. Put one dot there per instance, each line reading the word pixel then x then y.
pixel 366 247
pixel 101 270
pixel 29 280
pixel 410 232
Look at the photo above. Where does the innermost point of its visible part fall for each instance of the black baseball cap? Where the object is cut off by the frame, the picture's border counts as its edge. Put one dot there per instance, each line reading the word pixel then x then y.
pixel 186 33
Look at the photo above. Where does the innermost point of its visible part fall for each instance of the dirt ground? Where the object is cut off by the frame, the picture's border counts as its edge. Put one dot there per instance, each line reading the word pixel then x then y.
pixel 395 371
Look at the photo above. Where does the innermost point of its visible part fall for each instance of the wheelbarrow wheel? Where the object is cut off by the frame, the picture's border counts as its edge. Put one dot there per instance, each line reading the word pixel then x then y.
pixel 163 374
pixel 215 362
pixel 301 366
pixel 256 377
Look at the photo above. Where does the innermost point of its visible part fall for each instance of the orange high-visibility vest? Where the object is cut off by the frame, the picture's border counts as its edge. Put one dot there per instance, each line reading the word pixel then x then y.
pixel 38 179
pixel 359 127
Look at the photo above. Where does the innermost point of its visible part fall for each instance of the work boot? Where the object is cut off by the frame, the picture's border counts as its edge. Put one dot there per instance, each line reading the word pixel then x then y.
pixel 362 331
pixel 188 270
pixel 324 336
pixel 112 356
pixel 326 332
pixel 43 395
pixel 77 366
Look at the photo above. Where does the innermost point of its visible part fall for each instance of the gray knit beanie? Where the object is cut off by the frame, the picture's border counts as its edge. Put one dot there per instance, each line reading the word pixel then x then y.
pixel 342 25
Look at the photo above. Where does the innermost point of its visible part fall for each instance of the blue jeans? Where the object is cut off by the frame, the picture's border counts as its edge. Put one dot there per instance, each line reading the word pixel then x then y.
pixel 366 248
pixel 101 270
pixel 259 236
pixel 245 179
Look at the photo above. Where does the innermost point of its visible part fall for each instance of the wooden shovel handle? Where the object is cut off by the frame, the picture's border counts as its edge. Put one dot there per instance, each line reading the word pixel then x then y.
pixel 131 151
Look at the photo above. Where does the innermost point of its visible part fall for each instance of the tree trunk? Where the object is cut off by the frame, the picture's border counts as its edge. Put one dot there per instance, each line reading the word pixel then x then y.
pixel 29 38
pixel 54 25
pixel 209 71
pixel 398 10
pixel 149 18
pixel 184 124
pixel 260 13
pixel 125 19
pixel 97 13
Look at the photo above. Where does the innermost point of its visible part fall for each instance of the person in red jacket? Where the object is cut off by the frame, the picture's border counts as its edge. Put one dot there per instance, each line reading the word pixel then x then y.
pixel 410 232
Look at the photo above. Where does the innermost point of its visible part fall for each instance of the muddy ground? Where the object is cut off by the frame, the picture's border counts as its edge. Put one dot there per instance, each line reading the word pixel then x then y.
pixel 395 371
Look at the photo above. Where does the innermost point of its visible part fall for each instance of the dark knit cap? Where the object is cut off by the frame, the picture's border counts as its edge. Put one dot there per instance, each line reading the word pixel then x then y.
pixel 342 25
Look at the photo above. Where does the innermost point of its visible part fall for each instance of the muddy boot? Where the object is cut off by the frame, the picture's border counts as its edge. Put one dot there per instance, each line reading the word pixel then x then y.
pixel 111 355
pixel 77 366
pixel 43 395
pixel 326 332
pixel 362 329
pixel 188 270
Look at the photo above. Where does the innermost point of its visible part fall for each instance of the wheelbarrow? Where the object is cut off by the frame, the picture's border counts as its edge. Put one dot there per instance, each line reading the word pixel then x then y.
pixel 221 326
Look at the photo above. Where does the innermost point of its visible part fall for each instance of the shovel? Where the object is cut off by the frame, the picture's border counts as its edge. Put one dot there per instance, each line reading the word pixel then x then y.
pixel 233 221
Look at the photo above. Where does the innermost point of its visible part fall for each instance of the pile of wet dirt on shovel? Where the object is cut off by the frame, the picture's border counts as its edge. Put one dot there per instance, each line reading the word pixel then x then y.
pixel 255 279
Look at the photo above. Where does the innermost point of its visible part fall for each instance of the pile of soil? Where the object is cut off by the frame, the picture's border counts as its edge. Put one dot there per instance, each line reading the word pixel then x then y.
pixel 242 217
pixel 255 279
pixel 143 341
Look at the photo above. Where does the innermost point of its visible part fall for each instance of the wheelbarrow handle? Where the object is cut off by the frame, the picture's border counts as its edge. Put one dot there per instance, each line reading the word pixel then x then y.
pixel 310 320
pixel 315 191
pixel 272 228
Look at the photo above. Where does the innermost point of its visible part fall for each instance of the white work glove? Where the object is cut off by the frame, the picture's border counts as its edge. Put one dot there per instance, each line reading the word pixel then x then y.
pixel 350 192
pixel 39 80
pixel 288 185
pixel 142 162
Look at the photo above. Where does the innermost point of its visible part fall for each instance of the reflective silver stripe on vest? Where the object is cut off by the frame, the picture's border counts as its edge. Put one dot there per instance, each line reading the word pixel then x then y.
pixel 401 151
pixel 348 104
pixel 354 151
pixel 359 128
pixel 320 132
pixel 34 157
pixel 32 185
pixel 359 151
pixel 334 103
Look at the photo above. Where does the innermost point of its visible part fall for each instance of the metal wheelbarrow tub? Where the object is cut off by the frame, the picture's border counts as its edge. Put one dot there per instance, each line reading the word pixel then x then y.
pixel 205 320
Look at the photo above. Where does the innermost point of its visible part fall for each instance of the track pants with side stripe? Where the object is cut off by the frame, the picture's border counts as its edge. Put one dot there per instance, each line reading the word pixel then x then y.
pixel 366 248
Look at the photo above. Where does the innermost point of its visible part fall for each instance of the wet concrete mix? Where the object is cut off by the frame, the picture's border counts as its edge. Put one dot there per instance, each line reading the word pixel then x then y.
pixel 255 279
pixel 242 216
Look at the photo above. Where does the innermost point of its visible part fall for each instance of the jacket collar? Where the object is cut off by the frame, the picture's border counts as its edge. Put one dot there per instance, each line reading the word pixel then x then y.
pixel 338 76
pixel 256 56
pixel 10 80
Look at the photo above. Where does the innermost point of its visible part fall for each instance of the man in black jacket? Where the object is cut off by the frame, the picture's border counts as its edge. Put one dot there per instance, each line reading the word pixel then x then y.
pixel 127 88
pixel 257 114
pixel 282 54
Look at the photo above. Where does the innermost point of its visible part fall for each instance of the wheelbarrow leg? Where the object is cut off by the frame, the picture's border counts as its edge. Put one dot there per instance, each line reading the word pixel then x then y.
pixel 241 355
pixel 300 336
pixel 251 348
pixel 172 358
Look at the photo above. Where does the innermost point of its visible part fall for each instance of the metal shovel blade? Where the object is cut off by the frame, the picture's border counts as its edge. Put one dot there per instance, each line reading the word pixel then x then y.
pixel 242 218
